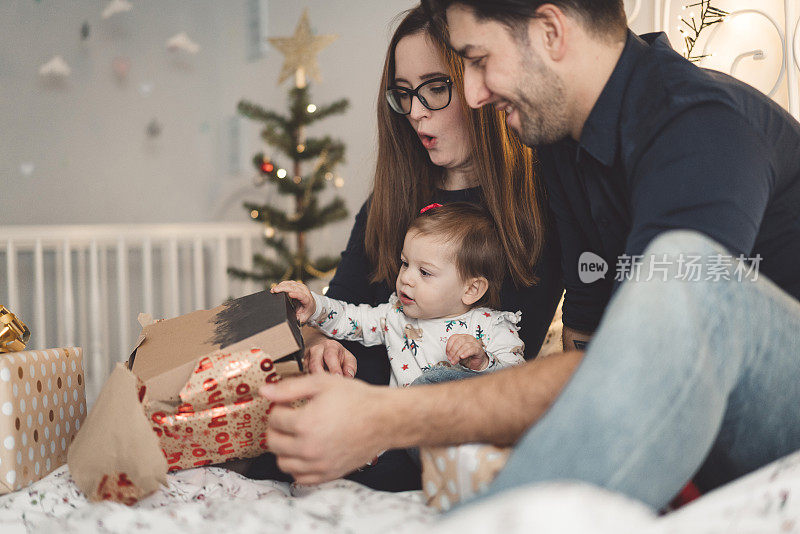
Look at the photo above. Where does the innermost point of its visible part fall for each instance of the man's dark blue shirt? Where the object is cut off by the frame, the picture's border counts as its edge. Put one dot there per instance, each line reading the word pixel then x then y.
pixel 672 146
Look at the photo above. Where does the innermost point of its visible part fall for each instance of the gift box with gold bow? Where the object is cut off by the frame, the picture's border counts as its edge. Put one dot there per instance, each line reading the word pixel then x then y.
pixel 42 405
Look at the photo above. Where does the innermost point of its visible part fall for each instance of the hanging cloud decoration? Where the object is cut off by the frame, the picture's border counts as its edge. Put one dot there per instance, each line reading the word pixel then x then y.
pixel 56 68
pixel 183 43
pixel 116 6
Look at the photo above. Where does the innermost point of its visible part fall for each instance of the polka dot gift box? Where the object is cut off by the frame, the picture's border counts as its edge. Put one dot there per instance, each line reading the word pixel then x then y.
pixel 42 405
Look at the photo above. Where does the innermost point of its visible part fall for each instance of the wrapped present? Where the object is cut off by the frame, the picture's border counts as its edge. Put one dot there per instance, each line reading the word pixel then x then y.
pixel 42 406
pixel 187 397
pixel 453 474
pixel 221 416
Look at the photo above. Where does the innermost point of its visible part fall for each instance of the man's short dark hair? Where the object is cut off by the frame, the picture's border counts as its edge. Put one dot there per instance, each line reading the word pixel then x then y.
pixel 603 17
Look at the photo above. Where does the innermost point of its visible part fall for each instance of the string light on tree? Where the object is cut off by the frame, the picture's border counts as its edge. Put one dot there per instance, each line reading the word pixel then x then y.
pixel 311 108
pixel 281 173
pixel 339 182
pixel 254 214
pixel 269 232
pixel 691 26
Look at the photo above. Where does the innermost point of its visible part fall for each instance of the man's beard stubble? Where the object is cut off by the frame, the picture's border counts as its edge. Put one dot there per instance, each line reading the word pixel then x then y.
pixel 541 103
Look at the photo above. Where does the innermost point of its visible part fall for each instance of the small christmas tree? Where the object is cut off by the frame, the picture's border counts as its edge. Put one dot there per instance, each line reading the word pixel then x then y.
pixel 286 133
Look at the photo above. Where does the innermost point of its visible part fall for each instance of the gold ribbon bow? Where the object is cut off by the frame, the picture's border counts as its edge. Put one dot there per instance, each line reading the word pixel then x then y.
pixel 13 332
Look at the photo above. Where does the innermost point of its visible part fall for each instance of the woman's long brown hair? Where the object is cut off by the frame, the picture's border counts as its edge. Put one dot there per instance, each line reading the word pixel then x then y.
pixel 405 178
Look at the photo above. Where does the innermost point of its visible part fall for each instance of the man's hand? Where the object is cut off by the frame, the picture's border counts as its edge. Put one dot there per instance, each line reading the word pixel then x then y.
pixel 301 294
pixel 323 354
pixel 468 350
pixel 346 423
pixel 328 437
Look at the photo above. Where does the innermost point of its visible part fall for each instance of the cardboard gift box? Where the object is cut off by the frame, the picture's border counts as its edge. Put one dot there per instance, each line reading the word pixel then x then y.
pixel 42 406
pixel 187 397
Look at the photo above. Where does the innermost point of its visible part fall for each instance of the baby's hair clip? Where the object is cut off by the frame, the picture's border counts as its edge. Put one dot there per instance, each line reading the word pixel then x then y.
pixel 430 207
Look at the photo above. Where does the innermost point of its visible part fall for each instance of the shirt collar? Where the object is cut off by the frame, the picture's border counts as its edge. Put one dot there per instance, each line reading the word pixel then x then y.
pixel 600 132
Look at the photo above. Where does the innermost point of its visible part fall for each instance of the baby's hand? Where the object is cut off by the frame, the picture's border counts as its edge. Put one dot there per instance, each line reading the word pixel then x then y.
pixel 298 291
pixel 468 350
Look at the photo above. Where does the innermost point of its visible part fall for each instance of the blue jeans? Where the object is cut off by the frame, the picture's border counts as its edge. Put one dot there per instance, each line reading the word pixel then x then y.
pixel 443 373
pixel 679 375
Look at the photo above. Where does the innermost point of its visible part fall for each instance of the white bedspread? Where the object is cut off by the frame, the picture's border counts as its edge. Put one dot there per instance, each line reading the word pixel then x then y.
pixel 213 501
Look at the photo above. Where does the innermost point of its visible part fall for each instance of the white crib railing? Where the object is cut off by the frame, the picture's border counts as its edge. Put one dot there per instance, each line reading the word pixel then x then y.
pixel 85 285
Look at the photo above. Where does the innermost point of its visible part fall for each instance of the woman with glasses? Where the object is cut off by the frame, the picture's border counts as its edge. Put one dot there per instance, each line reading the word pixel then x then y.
pixel 432 148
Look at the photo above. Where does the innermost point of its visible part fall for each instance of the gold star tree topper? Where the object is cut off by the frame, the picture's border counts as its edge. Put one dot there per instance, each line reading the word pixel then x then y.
pixel 300 52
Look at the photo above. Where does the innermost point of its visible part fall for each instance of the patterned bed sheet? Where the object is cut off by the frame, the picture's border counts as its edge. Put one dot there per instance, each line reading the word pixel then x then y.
pixel 210 500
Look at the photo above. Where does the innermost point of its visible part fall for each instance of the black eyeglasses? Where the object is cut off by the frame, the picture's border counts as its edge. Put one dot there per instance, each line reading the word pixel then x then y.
pixel 434 94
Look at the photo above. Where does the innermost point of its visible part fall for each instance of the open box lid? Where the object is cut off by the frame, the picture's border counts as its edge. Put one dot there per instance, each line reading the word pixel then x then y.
pixel 170 349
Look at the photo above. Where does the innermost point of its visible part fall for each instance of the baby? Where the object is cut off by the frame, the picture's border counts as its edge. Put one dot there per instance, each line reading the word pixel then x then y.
pixel 451 269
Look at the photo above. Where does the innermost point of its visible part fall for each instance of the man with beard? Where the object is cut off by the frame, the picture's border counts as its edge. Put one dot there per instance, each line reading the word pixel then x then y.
pixel 674 190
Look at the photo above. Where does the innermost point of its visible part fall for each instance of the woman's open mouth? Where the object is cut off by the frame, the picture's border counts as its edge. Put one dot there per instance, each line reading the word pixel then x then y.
pixel 428 141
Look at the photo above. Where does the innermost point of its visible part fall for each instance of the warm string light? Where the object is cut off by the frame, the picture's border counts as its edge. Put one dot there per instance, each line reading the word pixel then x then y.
pixel 311 108
pixel 691 28
pixel 281 173
pixel 339 182
pixel 254 214
pixel 269 232
pixel 329 176
pixel 301 148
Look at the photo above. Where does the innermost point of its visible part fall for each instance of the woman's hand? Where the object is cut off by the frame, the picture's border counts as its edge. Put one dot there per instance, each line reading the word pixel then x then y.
pixel 301 293
pixel 324 354
pixel 467 350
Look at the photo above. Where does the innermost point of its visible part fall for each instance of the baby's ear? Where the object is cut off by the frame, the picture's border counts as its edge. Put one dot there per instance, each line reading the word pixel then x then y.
pixel 475 290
